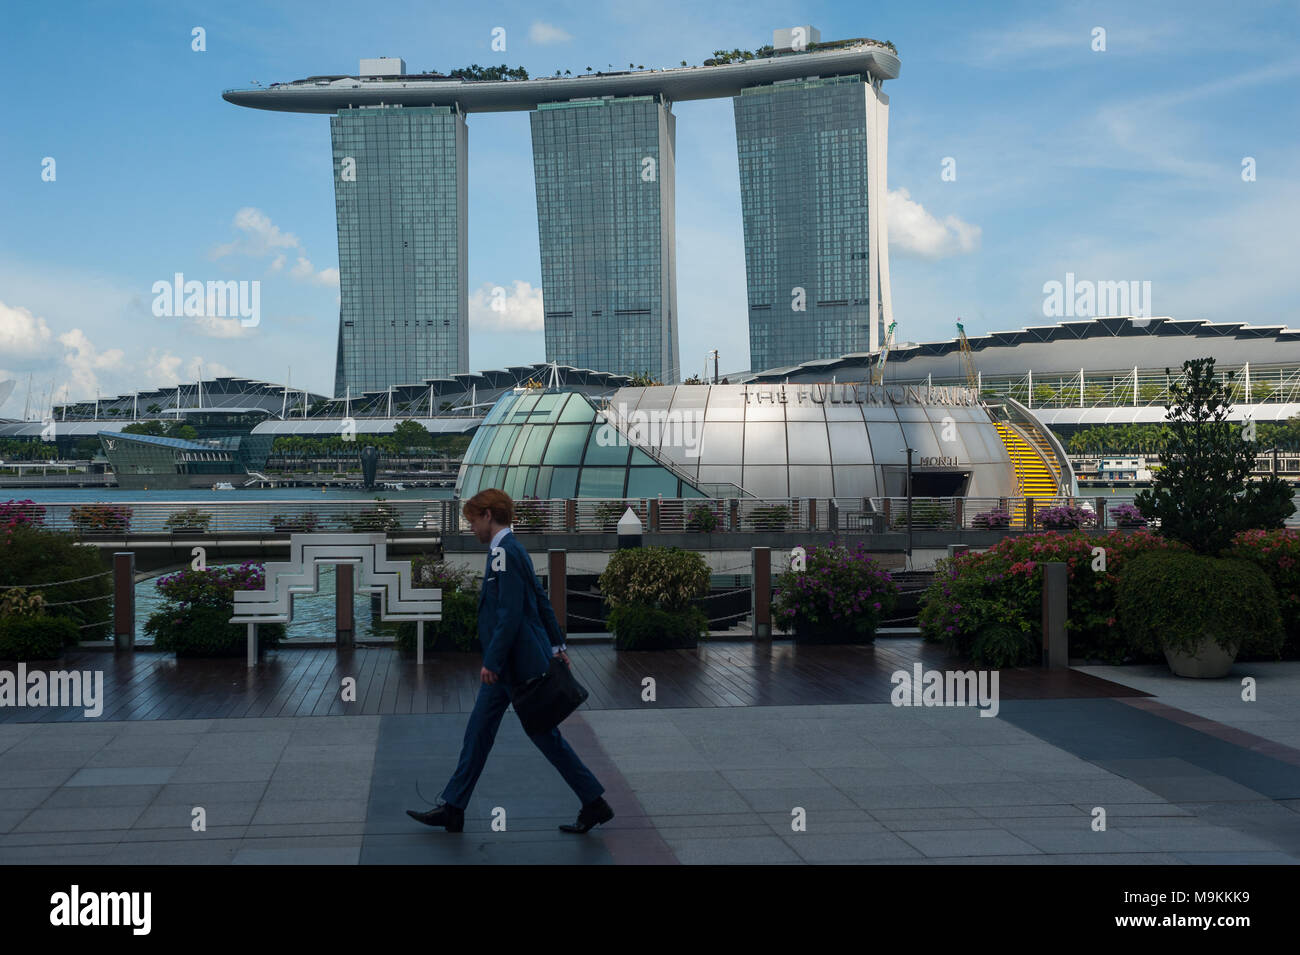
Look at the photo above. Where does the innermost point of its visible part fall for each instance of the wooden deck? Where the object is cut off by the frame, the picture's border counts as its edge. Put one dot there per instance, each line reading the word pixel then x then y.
pixel 307 682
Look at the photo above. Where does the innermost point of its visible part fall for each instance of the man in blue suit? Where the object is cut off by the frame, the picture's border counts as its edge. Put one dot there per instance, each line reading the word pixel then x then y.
pixel 519 633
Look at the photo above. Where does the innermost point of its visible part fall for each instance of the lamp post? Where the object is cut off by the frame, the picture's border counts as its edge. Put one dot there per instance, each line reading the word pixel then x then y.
pixel 910 451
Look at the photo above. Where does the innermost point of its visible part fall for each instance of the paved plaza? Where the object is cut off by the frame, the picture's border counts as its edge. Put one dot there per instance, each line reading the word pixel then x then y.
pixel 1185 771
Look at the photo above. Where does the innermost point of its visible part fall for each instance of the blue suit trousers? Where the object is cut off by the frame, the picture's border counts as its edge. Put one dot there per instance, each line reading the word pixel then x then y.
pixel 481 733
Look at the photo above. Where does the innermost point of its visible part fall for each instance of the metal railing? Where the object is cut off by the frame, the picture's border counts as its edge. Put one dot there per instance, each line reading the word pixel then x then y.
pixel 439 518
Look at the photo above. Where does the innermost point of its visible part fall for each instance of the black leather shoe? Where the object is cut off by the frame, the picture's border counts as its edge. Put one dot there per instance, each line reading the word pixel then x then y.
pixel 593 814
pixel 449 817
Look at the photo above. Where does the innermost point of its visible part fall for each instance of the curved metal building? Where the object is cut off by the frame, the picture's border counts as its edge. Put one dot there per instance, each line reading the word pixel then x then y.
pixel 763 441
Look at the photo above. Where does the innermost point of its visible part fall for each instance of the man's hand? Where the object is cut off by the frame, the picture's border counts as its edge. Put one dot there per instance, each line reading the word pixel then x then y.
pixel 487 676
pixel 564 656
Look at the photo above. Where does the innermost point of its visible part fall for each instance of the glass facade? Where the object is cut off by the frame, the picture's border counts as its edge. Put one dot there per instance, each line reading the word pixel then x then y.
pixel 141 460
pixel 400 186
pixel 766 441
pixel 556 444
pixel 605 177
pixel 806 152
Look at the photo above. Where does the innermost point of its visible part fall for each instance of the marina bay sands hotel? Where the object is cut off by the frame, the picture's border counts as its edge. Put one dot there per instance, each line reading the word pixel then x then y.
pixel 811 136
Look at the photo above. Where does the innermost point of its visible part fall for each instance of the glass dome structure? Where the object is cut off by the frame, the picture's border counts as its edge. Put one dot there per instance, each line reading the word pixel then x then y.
pixel 558 445
pixel 745 440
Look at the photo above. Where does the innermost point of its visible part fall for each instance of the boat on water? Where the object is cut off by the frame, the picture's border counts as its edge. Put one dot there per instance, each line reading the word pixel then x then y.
pixel 223 486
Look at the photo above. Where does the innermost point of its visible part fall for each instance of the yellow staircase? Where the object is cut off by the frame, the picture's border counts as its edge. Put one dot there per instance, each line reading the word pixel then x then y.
pixel 1035 477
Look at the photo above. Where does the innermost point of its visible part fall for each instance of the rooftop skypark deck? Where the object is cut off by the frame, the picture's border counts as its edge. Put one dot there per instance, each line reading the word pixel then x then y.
pixel 325 94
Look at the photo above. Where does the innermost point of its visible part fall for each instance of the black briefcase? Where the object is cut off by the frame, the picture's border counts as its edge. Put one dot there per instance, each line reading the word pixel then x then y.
pixel 544 702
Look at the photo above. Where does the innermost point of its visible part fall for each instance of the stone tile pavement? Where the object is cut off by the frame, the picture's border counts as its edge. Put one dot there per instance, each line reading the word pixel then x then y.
pixel 875 784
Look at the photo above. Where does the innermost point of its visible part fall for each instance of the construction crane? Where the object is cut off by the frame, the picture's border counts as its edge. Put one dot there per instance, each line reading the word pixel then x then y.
pixel 968 360
pixel 878 373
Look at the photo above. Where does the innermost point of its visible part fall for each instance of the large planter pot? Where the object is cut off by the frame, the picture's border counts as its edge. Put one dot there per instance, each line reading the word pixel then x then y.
pixel 836 632
pixel 1210 661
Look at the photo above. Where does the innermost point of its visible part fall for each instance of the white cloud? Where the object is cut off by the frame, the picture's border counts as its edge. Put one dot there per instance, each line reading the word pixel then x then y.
pixel 517 309
pixel 22 334
pixel 164 369
pixel 83 360
pixel 261 236
pixel 546 34
pixel 214 326
pixel 913 229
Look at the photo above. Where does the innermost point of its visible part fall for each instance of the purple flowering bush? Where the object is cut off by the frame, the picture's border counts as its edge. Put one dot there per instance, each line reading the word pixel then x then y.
pixel 195 620
pixel 20 514
pixel 1127 515
pixel 839 596
pixel 1065 518
pixel 998 517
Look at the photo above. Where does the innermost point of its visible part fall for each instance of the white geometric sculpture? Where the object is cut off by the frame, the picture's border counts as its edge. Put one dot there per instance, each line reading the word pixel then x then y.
pixel 300 574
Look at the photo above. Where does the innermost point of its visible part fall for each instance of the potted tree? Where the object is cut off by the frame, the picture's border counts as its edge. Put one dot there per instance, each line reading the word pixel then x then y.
pixel 650 591
pixel 1202 495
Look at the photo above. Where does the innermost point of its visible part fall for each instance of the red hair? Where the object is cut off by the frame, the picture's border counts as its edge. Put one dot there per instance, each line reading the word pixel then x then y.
pixel 494 500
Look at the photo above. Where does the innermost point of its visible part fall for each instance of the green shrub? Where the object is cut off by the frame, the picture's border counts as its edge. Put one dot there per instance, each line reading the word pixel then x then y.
pixel 189 519
pixel 305 523
pixel 924 514
pixel 609 513
pixel 1175 601
pixel 978 601
pixel 36 637
pixel 702 518
pixel 638 627
pixel 195 619
pixel 668 578
pixel 457 630
pixel 382 517
pixel 770 517
pixel 32 557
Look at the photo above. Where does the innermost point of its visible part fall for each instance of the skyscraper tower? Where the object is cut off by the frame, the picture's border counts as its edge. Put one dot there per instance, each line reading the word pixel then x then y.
pixel 812 154
pixel 400 188
pixel 605 198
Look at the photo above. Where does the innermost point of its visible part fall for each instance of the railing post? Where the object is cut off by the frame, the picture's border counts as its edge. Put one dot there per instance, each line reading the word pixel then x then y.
pixel 832 516
pixel 124 600
pixel 812 513
pixel 1029 513
pixel 653 522
pixel 570 514
pixel 958 518
pixel 344 627
pixel 735 514
pixel 1056 650
pixel 888 510
pixel 557 582
pixel 1101 513
pixel 760 592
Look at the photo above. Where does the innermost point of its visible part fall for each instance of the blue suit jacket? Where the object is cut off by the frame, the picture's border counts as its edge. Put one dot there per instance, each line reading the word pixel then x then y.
pixel 516 623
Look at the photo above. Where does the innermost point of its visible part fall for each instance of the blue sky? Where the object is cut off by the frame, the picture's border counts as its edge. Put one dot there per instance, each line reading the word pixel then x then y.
pixel 1122 164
